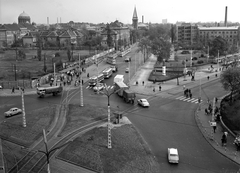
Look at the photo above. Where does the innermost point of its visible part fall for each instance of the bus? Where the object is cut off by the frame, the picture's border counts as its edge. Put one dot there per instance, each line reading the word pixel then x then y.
pixel 107 72
pixel 125 52
pixel 95 79
pixel 111 59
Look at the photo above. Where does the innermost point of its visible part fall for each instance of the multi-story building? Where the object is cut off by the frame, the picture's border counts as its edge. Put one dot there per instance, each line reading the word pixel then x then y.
pixel 187 34
pixel 230 34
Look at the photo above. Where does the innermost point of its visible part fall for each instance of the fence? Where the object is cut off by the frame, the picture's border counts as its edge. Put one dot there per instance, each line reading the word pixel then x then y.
pixel 16 84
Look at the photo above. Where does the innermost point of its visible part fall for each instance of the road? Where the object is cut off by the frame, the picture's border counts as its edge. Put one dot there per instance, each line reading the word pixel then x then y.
pixel 170 122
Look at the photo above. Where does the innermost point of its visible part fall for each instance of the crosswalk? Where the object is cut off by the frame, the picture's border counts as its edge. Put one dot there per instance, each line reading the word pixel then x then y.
pixel 108 87
pixel 191 100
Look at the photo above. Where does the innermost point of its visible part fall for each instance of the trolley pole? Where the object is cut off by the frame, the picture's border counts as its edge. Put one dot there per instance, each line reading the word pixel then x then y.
pixel 81 90
pixel 23 109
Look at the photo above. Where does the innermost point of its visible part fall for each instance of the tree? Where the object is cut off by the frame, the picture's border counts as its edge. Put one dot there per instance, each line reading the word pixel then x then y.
pixel 109 37
pixel 69 54
pixel 21 54
pixel 161 48
pixel 218 44
pixel 144 47
pixel 39 45
pixel 230 80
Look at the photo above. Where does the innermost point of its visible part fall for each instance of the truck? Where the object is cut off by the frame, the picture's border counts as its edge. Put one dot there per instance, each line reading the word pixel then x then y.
pixel 54 90
pixel 120 87
pixel 107 72
pixel 129 96
pixel 118 78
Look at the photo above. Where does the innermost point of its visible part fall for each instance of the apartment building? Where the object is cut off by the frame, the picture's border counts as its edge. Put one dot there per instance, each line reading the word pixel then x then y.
pixel 187 33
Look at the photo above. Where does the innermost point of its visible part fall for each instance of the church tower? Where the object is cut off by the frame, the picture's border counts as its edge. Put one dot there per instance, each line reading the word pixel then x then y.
pixel 135 19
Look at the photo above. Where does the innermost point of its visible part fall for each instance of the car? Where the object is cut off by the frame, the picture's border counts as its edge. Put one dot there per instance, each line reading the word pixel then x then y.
pixel 114 68
pixel 1 87
pixel 173 156
pixel 127 70
pixel 143 102
pixel 12 111
pixel 127 59
pixel 98 87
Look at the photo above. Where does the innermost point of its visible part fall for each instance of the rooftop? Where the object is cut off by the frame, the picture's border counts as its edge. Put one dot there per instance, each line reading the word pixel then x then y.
pixel 219 28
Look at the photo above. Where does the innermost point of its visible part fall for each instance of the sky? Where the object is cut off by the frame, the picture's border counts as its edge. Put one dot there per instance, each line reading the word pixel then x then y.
pixel 106 11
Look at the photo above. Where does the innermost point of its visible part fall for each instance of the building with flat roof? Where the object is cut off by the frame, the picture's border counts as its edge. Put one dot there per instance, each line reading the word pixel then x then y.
pixel 187 33
pixel 230 34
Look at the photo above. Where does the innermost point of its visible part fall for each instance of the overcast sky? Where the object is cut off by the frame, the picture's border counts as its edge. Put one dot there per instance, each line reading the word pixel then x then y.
pixel 98 11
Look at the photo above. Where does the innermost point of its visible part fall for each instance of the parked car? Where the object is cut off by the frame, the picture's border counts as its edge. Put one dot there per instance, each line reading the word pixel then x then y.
pixel 143 102
pixel 127 70
pixel 1 87
pixel 12 111
pixel 98 87
pixel 127 59
pixel 173 156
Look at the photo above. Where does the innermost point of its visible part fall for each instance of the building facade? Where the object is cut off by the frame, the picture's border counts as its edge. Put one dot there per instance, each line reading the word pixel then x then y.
pixel 24 18
pixel 230 34
pixel 187 34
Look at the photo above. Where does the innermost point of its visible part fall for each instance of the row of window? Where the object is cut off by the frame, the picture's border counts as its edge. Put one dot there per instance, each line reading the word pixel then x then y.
pixel 219 32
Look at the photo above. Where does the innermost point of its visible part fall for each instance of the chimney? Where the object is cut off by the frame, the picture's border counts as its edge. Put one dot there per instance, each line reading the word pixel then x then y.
pixel 60 20
pixel 57 20
pixel 47 20
pixel 225 23
pixel 142 19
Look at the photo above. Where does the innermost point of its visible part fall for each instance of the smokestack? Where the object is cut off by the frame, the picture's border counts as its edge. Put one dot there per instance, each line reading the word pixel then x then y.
pixel 57 20
pixel 60 20
pixel 47 20
pixel 142 19
pixel 225 23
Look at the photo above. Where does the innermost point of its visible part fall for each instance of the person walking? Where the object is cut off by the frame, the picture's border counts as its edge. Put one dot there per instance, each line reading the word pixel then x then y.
pixel 143 83
pixel 190 95
pixel 160 87
pixel 13 90
pixel 88 75
pixel 153 89
pixel 184 87
pixel 208 77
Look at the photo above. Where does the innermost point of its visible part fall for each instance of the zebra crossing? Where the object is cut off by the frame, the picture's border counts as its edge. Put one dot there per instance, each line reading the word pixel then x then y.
pixel 108 87
pixel 191 100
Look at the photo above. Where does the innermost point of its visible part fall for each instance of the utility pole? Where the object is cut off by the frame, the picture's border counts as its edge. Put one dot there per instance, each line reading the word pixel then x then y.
pixel 129 76
pixel 218 61
pixel 191 60
pixel 47 153
pixel 213 110
pixel 208 55
pixel 55 81
pixel 15 72
pixel 80 74
pixel 23 108
pixel 96 60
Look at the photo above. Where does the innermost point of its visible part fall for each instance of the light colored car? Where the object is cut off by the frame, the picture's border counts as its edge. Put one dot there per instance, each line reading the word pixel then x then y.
pixel 173 156
pixel 143 102
pixel 1 87
pixel 127 70
pixel 13 111
pixel 98 87
pixel 114 68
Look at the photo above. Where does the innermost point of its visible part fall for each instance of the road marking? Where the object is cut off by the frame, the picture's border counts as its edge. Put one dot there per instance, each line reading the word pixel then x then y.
pixel 183 98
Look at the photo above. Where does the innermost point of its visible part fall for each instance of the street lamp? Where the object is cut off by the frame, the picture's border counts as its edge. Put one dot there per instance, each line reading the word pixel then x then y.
pixel 48 152
pixel 80 74
pixel 108 92
pixel 218 61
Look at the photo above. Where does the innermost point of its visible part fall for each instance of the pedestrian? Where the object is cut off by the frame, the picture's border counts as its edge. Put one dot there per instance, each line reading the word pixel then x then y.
pixel 143 83
pixel 216 99
pixel 64 83
pixel 206 111
pixel 214 129
pixel 153 89
pixel 216 75
pixel 208 77
pixel 136 82
pixel 160 87
pixel 190 95
pixel 88 75
pixel 183 87
pixel 13 90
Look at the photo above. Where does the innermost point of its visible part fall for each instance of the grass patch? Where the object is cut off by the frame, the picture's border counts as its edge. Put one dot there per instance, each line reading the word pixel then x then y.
pixel 78 116
pixel 126 155
pixel 12 128
pixel 231 113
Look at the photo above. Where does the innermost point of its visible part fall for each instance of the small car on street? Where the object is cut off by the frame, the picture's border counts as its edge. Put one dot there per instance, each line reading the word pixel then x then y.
pixel 173 156
pixel 143 103
pixel 127 70
pixel 114 68
pixel 98 87
pixel 12 111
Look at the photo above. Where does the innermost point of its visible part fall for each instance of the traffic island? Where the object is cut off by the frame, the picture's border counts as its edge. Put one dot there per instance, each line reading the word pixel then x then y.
pixel 129 153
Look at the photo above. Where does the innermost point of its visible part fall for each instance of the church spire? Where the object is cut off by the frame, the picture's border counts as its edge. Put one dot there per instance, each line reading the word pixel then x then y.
pixel 135 19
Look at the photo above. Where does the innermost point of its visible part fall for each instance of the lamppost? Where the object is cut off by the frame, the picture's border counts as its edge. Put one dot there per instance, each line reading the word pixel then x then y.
pixel 185 69
pixel 48 152
pixel 191 60
pixel 218 61
pixel 23 108
pixel 72 49
pixel 108 92
pixel 208 55
pixel 80 74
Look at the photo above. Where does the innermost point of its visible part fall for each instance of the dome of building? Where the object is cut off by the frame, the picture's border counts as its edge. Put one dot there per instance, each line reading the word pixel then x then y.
pixel 24 18
pixel 24 15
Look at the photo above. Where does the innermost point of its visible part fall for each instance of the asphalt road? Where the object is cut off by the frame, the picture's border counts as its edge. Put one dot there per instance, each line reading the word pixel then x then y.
pixel 170 123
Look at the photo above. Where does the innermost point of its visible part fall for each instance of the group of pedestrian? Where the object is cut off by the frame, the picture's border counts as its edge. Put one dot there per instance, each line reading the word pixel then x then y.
pixel 188 93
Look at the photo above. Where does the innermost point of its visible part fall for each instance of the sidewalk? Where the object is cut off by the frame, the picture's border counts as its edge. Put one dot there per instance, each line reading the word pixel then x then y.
pixel 92 70
pixel 171 87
